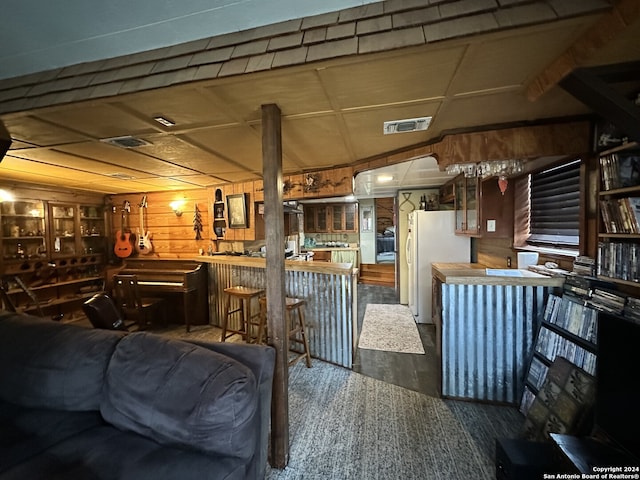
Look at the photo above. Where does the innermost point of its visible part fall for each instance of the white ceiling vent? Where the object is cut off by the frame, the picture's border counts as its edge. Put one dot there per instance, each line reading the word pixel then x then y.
pixel 126 142
pixel 407 125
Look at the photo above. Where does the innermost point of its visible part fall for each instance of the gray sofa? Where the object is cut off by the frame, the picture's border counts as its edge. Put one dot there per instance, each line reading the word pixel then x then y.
pixel 97 404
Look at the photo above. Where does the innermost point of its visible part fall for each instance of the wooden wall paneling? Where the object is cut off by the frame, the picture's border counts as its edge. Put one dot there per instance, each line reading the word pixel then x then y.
pixel 341 181
pixel 172 236
pixel 258 191
pixel 250 232
pixel 493 252
pixel 499 145
pixel 230 233
pixel 295 187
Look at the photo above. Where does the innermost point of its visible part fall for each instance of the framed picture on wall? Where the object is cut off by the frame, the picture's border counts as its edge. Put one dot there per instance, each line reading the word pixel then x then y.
pixel 237 209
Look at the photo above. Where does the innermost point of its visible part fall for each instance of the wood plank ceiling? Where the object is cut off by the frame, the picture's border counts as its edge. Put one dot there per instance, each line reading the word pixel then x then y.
pixel 333 109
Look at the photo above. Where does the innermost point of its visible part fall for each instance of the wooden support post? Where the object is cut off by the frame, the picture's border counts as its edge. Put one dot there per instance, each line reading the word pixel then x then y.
pixel 274 235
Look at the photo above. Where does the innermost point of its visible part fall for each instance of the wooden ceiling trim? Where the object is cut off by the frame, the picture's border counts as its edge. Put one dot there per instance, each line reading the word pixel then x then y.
pixel 563 139
pixel 603 31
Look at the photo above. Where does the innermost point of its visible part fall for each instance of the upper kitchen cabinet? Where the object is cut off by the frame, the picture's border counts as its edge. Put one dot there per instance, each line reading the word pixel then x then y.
pixel 344 218
pixel 331 218
pixel 315 218
pixel 482 210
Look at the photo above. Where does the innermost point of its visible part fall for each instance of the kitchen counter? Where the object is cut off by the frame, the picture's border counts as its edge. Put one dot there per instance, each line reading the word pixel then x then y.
pixel 476 274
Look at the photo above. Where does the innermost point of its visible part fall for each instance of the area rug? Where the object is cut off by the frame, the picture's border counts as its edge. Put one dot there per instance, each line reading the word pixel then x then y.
pixel 390 327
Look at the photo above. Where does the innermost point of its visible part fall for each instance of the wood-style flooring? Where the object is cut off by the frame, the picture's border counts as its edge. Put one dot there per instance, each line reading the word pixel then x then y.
pixel 413 371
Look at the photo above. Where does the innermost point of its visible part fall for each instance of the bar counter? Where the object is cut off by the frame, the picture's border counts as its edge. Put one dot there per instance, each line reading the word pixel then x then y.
pixel 329 289
pixel 485 327
pixel 476 274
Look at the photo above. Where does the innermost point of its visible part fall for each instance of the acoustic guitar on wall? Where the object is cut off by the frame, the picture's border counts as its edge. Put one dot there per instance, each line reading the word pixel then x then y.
pixel 143 245
pixel 124 241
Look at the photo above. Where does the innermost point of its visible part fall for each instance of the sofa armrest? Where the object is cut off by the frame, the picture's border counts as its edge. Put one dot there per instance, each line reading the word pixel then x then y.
pixel 260 359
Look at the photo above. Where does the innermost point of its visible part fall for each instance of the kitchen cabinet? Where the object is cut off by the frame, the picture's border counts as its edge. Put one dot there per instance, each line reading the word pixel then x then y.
pixel 53 255
pixel 315 218
pixel 344 218
pixel 331 218
pixel 481 209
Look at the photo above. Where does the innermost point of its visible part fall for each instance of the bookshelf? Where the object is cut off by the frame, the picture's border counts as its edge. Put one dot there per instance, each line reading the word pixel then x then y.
pixel 619 207
pixel 568 329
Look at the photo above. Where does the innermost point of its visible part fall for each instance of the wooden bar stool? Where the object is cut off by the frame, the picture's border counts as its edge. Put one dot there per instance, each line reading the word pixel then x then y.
pixel 297 330
pixel 247 317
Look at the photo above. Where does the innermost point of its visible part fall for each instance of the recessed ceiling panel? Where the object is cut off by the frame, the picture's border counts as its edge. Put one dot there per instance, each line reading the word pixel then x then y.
pixel 241 145
pixel 499 61
pixel 366 128
pixel 36 132
pixel 180 152
pixel 28 171
pixel 294 93
pixel 99 120
pixel 384 80
pixel 471 111
pixel 189 107
pixel 126 158
pixel 73 163
pixel 314 142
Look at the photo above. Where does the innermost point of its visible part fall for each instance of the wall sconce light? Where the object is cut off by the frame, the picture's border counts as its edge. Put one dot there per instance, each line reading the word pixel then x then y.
pixel 176 206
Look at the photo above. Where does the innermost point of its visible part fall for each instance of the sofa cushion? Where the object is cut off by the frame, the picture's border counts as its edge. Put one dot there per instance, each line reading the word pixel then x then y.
pixel 46 364
pixel 107 453
pixel 181 394
pixel 26 432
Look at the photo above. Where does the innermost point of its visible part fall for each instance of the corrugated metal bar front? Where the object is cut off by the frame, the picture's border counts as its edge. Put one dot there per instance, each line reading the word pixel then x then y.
pixel 329 312
pixel 487 339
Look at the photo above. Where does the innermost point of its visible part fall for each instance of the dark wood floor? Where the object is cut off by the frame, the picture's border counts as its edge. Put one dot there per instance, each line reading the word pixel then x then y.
pixel 412 371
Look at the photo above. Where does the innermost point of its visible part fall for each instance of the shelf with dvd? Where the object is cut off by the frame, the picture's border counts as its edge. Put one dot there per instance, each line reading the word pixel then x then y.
pixel 619 212
pixel 568 329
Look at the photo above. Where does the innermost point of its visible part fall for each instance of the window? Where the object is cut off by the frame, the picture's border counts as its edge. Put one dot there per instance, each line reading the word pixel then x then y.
pixel 552 208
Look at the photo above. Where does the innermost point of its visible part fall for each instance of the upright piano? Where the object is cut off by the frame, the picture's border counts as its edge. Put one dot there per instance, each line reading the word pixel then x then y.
pixel 183 281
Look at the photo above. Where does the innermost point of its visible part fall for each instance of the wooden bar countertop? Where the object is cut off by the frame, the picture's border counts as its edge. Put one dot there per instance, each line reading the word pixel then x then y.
pixel 476 274
pixel 295 265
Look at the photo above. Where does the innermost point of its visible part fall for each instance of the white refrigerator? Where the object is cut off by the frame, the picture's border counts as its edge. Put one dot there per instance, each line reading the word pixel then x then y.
pixel 430 239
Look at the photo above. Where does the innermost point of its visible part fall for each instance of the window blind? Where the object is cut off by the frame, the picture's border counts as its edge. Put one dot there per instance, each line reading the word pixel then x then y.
pixel 555 206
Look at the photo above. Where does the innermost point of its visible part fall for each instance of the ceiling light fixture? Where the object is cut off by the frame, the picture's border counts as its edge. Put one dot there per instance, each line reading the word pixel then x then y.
pixel 164 121
pixel 384 178
pixel 406 125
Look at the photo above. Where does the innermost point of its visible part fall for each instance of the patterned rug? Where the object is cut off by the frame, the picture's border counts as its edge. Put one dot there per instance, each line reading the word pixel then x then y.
pixel 390 327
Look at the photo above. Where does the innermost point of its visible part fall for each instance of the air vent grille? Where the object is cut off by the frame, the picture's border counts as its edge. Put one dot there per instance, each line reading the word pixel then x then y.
pixel 407 125
pixel 126 142
pixel 121 176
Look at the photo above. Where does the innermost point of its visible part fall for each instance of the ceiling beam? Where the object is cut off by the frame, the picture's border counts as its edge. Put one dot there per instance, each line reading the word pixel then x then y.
pixel 590 87
pixel 5 141
pixel 608 27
